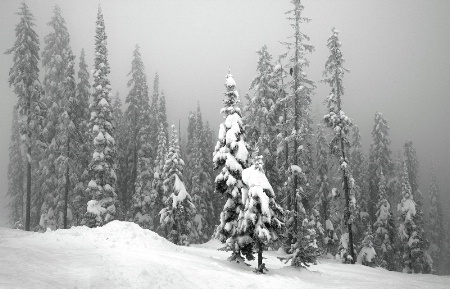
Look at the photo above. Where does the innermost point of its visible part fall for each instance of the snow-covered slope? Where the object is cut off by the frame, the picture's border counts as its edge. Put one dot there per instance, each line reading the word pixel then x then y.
pixel 122 255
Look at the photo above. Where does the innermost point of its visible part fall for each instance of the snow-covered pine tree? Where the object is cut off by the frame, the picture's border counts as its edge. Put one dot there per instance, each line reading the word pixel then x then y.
pixel 207 146
pixel 16 173
pixel 379 158
pixel 101 187
pixel 436 226
pixel 154 116
pixel 82 136
pixel 68 141
pixel 162 114
pixel 123 171
pixel 157 193
pixel 340 125
pixel 230 158
pixel 201 184
pixel 259 221
pixel 137 117
pixel 191 131
pixel 179 211
pixel 24 77
pixel 56 58
pixel 262 115
pixel 295 131
pixel 298 105
pixel 384 229
pixel 412 245
pixel 140 208
pixel 359 173
pixel 323 195
pixel 412 165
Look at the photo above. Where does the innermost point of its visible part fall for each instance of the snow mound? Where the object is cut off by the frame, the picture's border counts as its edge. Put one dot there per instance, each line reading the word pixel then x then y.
pixel 115 234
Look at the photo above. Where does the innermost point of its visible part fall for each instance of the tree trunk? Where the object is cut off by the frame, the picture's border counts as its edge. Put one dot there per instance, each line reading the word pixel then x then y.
pixel 66 193
pixel 260 251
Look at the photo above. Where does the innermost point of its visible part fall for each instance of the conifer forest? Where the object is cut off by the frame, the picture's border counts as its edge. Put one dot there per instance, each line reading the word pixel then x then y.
pixel 282 153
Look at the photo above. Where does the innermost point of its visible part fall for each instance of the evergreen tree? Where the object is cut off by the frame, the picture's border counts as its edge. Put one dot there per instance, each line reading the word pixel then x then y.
pixel 102 167
pixel 154 116
pixel 200 184
pixel 123 171
pixel 157 193
pixel 82 138
pixel 162 115
pixel 323 190
pixel 56 58
pixel 179 211
pixel 16 173
pixel 298 103
pixel 359 173
pixel 259 221
pixel 412 166
pixel 415 259
pixel 340 124
pixel 230 158
pixel 262 115
pixel 137 117
pixel 295 129
pixel 384 229
pixel 380 158
pixel 68 142
pixel 24 75
pixel 436 226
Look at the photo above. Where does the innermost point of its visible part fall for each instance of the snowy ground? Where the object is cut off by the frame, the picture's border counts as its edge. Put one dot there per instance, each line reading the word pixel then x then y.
pixel 122 255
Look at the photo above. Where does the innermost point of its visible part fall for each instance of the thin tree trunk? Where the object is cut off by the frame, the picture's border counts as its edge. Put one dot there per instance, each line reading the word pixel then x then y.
pixel 260 251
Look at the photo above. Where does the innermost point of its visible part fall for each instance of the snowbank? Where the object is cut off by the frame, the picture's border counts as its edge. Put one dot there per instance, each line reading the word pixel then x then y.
pixel 122 255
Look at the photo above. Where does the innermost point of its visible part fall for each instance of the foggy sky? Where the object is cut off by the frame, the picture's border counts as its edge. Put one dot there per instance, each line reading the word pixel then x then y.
pixel 397 52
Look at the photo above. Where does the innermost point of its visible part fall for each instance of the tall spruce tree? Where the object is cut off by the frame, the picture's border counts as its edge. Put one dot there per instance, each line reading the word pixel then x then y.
pixel 413 246
pixel 262 114
pixel 56 58
pixel 379 158
pixel 359 173
pixel 82 136
pixel 137 116
pixel 154 116
pixel 436 226
pixel 384 229
pixel 16 174
pixel 412 166
pixel 157 193
pixel 123 171
pixel 179 211
pixel 230 158
pixel 340 124
pixel 101 187
pixel 24 77
pixel 323 191
pixel 200 184
pixel 296 131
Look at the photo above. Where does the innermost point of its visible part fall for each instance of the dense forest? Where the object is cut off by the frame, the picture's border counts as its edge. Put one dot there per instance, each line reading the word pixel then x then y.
pixel 270 178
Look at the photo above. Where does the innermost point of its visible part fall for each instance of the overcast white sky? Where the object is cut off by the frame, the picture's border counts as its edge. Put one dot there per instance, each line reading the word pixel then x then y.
pixel 397 52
